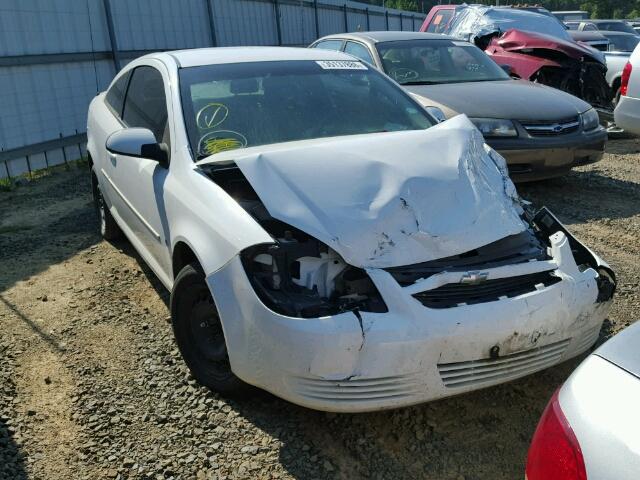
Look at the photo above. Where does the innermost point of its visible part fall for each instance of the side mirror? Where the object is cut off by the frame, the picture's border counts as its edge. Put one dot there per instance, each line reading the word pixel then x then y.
pixel 507 68
pixel 139 143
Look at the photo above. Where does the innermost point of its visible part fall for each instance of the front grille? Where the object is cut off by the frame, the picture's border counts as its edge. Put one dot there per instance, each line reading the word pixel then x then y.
pixel 455 294
pixel 359 389
pixel 507 367
pixel 550 129
pixel 519 248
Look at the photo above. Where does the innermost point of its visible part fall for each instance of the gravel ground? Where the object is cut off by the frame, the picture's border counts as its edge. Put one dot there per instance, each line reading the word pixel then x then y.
pixel 92 386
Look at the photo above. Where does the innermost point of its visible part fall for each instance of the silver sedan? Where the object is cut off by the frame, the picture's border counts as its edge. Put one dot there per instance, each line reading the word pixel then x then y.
pixel 591 426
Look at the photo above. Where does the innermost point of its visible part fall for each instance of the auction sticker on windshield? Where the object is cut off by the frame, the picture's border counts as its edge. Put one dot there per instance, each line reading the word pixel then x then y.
pixel 340 65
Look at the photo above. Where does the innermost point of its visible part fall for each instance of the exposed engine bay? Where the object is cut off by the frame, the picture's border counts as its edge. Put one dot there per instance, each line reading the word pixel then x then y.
pixel 583 79
pixel 578 74
pixel 297 275
pixel 537 48
pixel 300 276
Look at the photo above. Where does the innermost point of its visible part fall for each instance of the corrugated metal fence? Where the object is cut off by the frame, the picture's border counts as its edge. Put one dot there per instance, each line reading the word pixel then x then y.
pixel 55 55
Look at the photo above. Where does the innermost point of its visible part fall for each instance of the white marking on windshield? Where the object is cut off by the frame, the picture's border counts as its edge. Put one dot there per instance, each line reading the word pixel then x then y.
pixel 340 65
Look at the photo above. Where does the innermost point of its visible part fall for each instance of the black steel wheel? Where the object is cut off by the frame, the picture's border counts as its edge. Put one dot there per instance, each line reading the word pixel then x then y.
pixel 199 334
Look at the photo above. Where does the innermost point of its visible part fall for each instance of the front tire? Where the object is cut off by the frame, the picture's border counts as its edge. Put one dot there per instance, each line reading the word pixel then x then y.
pixel 109 229
pixel 199 335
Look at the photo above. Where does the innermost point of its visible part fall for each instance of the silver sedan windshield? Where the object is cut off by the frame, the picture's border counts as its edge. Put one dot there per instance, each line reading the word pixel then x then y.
pixel 423 62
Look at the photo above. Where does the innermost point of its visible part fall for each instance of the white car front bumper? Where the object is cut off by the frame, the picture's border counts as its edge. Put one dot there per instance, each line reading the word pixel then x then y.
pixel 370 361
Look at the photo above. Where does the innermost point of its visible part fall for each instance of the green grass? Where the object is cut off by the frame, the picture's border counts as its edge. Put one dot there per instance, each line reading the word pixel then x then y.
pixel 16 181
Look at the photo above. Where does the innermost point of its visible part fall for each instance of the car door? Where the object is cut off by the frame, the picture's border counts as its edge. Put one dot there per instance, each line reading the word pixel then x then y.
pixel 107 119
pixel 140 181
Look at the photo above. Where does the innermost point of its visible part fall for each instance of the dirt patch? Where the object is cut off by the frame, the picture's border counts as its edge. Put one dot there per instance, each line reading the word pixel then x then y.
pixel 92 385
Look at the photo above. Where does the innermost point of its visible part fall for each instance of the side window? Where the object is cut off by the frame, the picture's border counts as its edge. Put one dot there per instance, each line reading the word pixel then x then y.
pixel 360 51
pixel 146 104
pixel 440 20
pixel 115 95
pixel 329 45
pixel 590 27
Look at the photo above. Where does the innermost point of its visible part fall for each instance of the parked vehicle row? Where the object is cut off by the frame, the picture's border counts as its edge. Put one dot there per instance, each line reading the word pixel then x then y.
pixel 618 39
pixel 541 131
pixel 601 25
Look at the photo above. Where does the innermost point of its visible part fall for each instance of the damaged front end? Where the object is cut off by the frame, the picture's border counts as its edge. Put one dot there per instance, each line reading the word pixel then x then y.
pixel 301 277
pixel 420 280
pixel 570 67
pixel 297 275
pixel 547 224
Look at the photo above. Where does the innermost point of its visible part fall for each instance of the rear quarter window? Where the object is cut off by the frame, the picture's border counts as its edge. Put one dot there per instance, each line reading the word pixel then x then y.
pixel 329 45
pixel 115 95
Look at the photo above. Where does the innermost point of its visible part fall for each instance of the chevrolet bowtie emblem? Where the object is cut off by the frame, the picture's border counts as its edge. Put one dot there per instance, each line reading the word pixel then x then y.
pixel 473 278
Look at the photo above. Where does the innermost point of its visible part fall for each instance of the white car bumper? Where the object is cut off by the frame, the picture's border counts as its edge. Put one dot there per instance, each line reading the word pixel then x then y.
pixel 412 353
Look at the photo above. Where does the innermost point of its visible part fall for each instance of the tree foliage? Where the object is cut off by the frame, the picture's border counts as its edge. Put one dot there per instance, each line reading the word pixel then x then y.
pixel 596 8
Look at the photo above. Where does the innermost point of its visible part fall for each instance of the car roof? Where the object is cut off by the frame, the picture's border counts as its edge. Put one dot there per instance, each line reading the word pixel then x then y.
pixel 588 35
pixel 602 20
pixel 388 36
pixel 623 350
pixel 213 56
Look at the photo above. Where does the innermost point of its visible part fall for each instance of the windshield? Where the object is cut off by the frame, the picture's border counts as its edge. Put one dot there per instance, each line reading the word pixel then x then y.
pixel 616 27
pixel 506 19
pixel 230 106
pixel 622 43
pixel 416 62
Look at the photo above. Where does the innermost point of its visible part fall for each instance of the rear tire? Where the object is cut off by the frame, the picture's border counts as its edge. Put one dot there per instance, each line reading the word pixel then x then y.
pixel 616 97
pixel 199 335
pixel 109 229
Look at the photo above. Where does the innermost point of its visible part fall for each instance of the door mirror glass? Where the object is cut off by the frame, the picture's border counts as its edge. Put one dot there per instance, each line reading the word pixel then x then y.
pixel 139 143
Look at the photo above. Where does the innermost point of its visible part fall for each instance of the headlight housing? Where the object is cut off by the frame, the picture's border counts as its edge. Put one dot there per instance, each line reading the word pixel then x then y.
pixel 590 120
pixel 300 276
pixel 495 127
pixel 436 113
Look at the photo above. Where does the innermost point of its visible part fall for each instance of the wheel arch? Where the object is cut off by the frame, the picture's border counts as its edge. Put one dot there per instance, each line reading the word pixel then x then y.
pixel 183 254
pixel 615 84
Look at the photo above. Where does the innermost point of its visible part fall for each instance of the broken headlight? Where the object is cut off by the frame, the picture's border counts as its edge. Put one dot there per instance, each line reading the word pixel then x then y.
pixel 299 276
pixel 495 127
pixel 590 120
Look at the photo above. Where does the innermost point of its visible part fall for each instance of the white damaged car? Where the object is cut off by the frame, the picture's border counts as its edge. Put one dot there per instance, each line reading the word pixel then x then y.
pixel 324 239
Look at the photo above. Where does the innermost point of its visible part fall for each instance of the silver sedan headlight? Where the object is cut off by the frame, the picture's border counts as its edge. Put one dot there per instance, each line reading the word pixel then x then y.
pixel 590 119
pixel 495 127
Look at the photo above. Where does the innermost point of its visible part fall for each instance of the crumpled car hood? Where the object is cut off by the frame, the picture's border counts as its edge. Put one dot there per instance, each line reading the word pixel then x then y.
pixel 388 199
pixel 517 40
